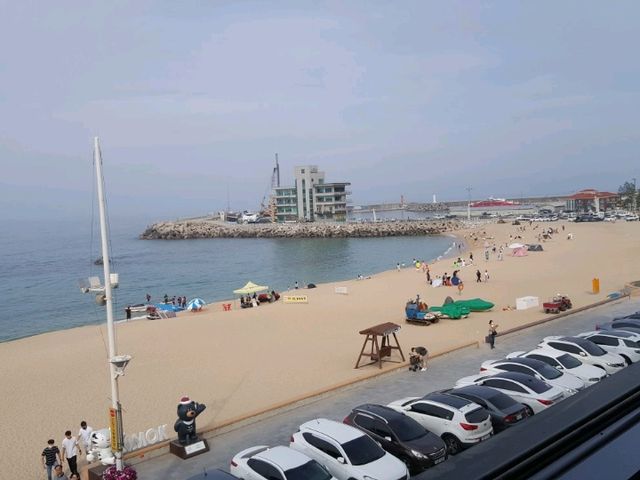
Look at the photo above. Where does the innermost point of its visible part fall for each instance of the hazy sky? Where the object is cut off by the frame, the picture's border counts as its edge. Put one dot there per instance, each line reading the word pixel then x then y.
pixel 191 98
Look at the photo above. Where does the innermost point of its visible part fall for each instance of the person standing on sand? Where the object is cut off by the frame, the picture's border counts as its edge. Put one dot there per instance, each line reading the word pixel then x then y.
pixel 70 451
pixel 478 276
pixel 493 333
pixel 128 312
pixel 398 266
pixel 486 276
pixel 84 436
pixel 51 457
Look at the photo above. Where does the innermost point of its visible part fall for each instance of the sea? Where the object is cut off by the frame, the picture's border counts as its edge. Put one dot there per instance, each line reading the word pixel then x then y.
pixel 43 264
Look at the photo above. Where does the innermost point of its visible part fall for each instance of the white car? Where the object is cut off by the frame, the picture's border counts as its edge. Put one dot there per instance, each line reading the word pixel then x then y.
pixel 348 453
pixel 535 394
pixel 625 344
pixel 458 421
pixel 529 366
pixel 282 463
pixel 565 363
pixel 585 351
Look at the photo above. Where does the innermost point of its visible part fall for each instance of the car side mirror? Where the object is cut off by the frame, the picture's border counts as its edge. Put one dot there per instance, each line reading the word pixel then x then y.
pixel 388 439
pixel 558 367
pixel 582 354
pixel 341 460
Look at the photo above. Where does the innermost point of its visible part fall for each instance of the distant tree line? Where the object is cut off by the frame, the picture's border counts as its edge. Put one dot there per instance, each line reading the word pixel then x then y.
pixel 628 194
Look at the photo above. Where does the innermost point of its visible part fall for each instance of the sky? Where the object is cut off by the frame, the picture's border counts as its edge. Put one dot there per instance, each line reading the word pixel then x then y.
pixel 191 100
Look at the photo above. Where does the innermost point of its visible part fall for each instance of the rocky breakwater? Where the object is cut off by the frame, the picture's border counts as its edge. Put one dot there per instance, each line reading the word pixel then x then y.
pixel 215 229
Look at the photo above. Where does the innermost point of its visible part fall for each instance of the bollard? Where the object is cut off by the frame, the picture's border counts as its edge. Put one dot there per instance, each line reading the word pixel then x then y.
pixel 595 286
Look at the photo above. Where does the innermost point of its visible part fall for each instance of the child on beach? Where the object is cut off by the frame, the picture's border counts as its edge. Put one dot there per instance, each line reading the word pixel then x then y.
pixel 418 359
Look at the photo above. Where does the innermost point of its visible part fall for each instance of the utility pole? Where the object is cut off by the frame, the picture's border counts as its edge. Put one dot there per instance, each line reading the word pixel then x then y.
pixel 635 196
pixel 468 189
pixel 117 363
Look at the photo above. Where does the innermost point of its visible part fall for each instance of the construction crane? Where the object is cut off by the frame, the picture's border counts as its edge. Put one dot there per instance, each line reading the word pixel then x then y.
pixel 268 203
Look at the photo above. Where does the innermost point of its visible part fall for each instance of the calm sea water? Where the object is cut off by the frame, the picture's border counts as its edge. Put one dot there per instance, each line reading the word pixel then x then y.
pixel 41 264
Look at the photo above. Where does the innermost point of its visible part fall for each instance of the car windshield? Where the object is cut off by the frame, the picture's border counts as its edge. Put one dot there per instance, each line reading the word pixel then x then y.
pixel 478 415
pixel 568 361
pixel 407 429
pixel 502 401
pixel 537 385
pixel 592 349
pixel 548 372
pixel 311 470
pixel 363 450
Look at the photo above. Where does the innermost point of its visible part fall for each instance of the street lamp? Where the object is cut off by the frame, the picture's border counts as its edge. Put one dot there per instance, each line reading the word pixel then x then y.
pixel 104 295
pixel 635 195
pixel 468 189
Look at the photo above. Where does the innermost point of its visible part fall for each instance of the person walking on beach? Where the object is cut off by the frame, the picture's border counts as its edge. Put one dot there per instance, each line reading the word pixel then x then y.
pixel 70 451
pixel 398 266
pixel 128 312
pixel 486 275
pixel 493 327
pixel 51 457
pixel 148 298
pixel 84 436
pixel 478 276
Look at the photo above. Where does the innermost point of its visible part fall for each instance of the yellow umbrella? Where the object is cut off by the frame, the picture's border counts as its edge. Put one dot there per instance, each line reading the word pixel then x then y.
pixel 250 287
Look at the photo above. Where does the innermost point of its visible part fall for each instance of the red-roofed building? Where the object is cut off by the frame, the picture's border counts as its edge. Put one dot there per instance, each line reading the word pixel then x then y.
pixel 591 200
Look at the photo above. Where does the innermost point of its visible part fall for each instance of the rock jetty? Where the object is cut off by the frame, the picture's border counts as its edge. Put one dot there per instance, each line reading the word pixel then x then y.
pixel 190 229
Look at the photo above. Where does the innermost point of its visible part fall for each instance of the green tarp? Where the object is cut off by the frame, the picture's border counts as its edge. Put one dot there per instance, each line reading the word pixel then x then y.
pixel 475 304
pixel 451 310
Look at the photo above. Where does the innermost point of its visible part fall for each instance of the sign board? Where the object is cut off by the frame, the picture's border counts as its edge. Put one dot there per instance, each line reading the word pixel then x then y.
pixel 295 299
pixel 113 426
pixel 194 447
pixel 342 290
pixel 145 438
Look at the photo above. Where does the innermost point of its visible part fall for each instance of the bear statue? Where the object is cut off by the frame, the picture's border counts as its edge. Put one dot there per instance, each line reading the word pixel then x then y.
pixel 185 425
pixel 101 448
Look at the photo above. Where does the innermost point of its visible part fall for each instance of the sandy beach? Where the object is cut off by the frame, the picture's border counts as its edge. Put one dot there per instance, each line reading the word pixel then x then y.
pixel 243 361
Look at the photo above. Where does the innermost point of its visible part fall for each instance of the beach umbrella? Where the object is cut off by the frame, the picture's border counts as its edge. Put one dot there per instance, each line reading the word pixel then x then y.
pixel 249 288
pixel 516 245
pixel 196 304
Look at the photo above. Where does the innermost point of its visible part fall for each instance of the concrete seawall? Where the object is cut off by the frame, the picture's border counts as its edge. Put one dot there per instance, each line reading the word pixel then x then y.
pixel 190 229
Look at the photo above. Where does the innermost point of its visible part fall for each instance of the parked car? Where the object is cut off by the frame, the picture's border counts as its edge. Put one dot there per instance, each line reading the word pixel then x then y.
pixel 281 463
pixel 461 423
pixel 503 409
pixel 585 351
pixel 535 394
pixel 631 316
pixel 627 324
pixel 399 435
pixel 529 366
pixel 564 362
pixel 625 344
pixel 347 452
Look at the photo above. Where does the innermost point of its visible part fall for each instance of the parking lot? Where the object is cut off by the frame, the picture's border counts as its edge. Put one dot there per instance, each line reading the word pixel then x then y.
pixel 442 373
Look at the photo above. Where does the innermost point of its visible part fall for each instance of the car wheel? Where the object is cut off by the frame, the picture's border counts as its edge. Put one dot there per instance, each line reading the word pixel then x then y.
pixel 529 410
pixel 626 359
pixel 453 444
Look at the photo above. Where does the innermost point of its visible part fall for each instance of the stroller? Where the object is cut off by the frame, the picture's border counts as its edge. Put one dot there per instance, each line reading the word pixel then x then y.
pixel 415 358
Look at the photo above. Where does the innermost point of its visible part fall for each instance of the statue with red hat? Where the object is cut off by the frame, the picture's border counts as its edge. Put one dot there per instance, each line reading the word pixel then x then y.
pixel 185 425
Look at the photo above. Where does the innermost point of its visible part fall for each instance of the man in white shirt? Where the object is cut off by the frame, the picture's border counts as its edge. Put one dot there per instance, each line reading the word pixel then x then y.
pixel 70 451
pixel 84 436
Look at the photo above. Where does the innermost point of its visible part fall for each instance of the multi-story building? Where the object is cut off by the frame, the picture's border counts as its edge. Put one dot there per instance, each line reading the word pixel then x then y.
pixel 311 198
pixel 591 200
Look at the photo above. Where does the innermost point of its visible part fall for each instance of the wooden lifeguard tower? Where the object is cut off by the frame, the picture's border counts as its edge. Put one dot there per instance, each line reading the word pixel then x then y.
pixel 382 349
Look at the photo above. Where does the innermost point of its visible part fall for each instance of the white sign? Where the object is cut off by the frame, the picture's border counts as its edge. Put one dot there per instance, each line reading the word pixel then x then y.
pixel 146 438
pixel 342 290
pixel 194 447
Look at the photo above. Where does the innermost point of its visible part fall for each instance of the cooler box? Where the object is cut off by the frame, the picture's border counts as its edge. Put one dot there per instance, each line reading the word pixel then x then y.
pixel 523 303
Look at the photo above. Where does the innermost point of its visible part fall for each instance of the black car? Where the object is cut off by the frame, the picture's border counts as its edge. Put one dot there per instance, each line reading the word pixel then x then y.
pixel 504 410
pixel 632 316
pixel 399 435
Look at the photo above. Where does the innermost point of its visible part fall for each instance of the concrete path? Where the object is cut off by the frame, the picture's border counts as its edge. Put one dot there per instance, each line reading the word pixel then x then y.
pixel 442 373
